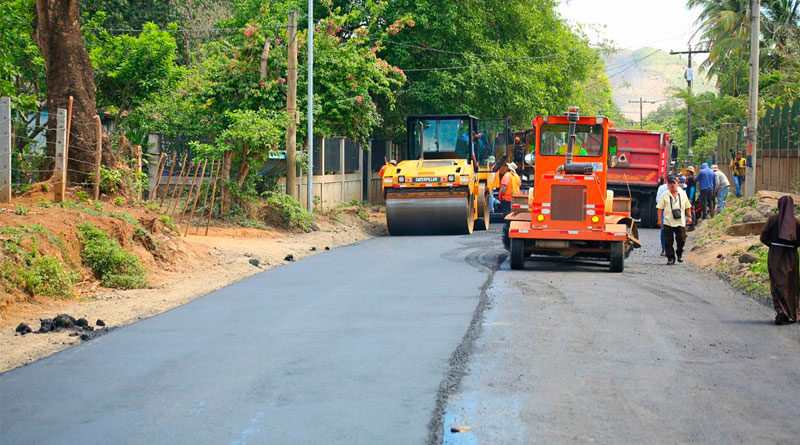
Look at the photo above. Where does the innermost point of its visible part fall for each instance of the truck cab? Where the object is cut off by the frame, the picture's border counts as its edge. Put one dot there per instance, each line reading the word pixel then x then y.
pixel 570 211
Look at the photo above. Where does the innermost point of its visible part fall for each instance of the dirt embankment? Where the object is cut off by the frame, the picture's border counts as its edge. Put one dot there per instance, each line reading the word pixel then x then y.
pixel 729 244
pixel 179 269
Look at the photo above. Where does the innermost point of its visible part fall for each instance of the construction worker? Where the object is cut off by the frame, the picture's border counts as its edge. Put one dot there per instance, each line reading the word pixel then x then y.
pixel 383 169
pixel 577 150
pixel 509 185
pixel 738 167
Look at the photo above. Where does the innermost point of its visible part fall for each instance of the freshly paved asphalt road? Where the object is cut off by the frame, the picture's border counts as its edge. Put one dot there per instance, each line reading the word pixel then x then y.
pixel 402 340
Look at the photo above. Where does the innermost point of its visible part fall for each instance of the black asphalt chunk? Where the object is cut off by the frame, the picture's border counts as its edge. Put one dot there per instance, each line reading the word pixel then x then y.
pixel 327 248
pixel 84 337
pixel 23 329
pixel 64 321
pixel 82 322
pixel 100 322
pixel 313 249
pixel 289 257
pixel 46 325
pixel 254 261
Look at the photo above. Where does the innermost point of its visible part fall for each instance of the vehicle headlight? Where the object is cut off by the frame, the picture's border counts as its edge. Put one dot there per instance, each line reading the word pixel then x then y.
pixel 387 180
pixel 464 179
pixel 401 178
pixel 451 178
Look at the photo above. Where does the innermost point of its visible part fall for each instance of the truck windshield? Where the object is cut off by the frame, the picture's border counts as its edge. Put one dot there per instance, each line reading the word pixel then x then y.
pixel 589 141
pixel 440 136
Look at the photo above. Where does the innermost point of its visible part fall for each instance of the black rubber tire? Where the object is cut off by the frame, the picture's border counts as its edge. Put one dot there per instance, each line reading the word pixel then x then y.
pixel 647 210
pixel 617 256
pixel 506 239
pixel 484 213
pixel 517 254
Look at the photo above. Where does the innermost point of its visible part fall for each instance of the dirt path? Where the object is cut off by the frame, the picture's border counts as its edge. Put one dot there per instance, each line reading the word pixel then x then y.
pixel 211 262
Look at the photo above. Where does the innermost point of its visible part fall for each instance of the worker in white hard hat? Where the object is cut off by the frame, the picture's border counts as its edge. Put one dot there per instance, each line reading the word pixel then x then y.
pixel 383 168
pixel 509 186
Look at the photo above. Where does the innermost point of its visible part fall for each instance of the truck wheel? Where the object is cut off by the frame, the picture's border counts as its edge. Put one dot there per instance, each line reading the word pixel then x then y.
pixel 646 210
pixel 617 256
pixel 506 239
pixel 482 221
pixel 517 254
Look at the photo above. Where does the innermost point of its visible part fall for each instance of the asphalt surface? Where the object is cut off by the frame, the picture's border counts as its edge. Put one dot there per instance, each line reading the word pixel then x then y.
pixel 428 340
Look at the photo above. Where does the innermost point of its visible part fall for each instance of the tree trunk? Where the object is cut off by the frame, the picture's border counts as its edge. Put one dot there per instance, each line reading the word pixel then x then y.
pixel 225 177
pixel 57 33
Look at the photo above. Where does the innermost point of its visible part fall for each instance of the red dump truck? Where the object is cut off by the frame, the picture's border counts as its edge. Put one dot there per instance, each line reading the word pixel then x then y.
pixel 640 162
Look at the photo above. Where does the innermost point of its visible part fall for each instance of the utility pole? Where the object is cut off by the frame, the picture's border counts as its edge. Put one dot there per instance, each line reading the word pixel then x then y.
pixel 310 112
pixel 752 112
pixel 291 109
pixel 641 111
pixel 689 78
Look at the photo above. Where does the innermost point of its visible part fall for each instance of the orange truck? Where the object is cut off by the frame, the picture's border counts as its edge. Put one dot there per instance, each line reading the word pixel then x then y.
pixel 570 212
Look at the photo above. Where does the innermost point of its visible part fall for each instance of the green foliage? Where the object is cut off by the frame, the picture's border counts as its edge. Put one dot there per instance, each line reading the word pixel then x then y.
pixel 169 223
pixel 118 201
pixel 22 73
pixel 130 70
pixel 97 205
pixel 33 273
pixel 110 263
pixel 285 211
pixel 82 196
pixel 45 203
pixel 110 180
pixel 38 275
pixel 21 210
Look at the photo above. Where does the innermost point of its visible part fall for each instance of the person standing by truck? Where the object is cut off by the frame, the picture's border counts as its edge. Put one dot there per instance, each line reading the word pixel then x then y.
pixel 723 186
pixel 509 185
pixel 675 208
pixel 738 168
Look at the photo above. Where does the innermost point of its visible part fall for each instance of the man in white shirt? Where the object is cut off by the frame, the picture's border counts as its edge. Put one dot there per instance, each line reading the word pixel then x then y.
pixel 674 207
pixel 723 187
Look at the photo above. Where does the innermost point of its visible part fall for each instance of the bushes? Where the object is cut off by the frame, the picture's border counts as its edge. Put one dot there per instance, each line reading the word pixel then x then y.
pixel 33 273
pixel 284 211
pixel 109 262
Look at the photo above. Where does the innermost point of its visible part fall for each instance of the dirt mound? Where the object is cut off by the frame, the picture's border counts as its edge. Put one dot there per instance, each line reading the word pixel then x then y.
pixel 729 244
pixel 44 229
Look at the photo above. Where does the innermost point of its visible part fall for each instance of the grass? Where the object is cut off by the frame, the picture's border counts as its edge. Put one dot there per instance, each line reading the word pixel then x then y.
pixel 289 213
pixel 45 204
pixel 169 223
pixel 118 201
pixel 21 210
pixel 32 272
pixel 109 261
pixel 82 196
pixel 152 205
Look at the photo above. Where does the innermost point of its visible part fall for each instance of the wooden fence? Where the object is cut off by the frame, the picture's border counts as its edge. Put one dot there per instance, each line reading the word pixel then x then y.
pixel 778 149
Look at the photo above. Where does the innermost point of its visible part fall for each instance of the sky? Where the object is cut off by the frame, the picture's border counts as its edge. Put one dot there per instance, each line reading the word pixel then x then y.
pixel 633 24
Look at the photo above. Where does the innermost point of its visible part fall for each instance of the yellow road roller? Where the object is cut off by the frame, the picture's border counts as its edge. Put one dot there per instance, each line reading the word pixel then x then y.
pixel 437 190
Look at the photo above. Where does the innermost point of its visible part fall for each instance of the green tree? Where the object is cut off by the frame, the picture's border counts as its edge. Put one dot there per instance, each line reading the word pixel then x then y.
pixel 130 70
pixel 488 58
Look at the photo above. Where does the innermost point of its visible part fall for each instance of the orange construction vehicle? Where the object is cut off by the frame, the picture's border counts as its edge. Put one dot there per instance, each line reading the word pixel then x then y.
pixel 570 212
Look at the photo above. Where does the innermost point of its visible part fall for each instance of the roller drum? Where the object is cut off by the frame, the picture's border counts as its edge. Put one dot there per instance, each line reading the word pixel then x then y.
pixel 429 216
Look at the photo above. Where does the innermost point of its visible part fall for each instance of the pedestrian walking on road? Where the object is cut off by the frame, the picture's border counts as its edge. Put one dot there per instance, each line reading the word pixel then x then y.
pixel 706 182
pixel 659 193
pixel 723 186
pixel 509 185
pixel 781 233
pixel 738 168
pixel 691 184
pixel 674 207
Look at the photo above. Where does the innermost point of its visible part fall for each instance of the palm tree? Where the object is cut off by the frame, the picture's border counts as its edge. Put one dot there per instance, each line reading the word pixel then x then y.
pixel 724 27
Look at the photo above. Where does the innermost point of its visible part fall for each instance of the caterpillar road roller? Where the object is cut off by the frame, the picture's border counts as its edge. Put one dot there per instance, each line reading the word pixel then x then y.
pixel 570 212
pixel 440 188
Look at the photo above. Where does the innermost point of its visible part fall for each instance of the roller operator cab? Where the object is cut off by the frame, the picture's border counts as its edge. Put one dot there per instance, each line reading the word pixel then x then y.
pixel 437 190
pixel 570 212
